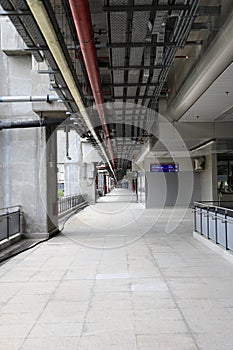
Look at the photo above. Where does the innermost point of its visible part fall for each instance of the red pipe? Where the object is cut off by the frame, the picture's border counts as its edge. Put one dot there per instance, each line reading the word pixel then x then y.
pixel 82 19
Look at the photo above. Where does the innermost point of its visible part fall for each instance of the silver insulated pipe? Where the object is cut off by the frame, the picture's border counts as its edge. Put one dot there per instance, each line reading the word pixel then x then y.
pixel 46 98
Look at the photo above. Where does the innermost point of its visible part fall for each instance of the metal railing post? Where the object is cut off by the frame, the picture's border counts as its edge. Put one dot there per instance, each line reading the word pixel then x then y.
pixel 195 219
pixel 216 226
pixel 225 222
pixel 7 224
pixel 208 223
pixel 201 221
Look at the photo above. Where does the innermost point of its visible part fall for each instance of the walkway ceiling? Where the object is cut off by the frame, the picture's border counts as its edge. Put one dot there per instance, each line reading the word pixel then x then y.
pixel 146 49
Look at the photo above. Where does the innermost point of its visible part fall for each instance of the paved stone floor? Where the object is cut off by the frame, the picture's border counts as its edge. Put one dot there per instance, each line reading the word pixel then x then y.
pixel 118 278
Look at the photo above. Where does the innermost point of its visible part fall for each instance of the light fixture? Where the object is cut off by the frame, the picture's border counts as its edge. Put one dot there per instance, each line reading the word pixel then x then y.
pixel 202 145
pixel 40 15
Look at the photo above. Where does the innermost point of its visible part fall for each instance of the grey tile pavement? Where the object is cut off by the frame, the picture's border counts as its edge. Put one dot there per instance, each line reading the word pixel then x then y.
pixel 114 279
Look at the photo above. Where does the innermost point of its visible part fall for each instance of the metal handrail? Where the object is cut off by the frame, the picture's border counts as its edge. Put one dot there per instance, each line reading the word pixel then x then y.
pixel 69 202
pixel 12 206
pixel 10 222
pixel 203 215
pixel 202 204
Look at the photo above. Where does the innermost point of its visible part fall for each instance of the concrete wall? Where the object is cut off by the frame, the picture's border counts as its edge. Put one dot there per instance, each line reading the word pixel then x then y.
pixel 27 169
pixel 182 188
pixel 169 189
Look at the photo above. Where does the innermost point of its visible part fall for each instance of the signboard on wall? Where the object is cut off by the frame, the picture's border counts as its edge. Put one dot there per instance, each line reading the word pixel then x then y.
pixel 164 168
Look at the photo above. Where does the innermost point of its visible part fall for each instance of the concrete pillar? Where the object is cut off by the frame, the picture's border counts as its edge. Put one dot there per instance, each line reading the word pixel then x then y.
pixel 51 179
pixel 208 179
pixel 28 168
pixel 29 177
pixel 105 184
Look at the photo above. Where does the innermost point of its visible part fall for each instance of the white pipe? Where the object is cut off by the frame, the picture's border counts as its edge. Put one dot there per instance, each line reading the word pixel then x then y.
pixel 216 59
pixel 47 98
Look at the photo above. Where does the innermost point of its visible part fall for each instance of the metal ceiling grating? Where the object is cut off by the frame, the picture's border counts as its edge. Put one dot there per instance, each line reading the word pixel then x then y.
pixel 140 25
pixel 118 27
pixel 130 25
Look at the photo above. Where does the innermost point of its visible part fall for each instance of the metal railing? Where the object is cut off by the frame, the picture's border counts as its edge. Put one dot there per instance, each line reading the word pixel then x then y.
pixel 214 222
pixel 10 221
pixel 69 202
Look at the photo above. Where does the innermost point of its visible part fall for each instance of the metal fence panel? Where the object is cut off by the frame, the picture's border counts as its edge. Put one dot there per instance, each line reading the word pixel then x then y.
pixel 3 228
pixel 215 223
pixel 14 223
pixel 212 227
pixel 69 202
pixel 198 219
pixel 205 222
pixel 229 233
pixel 221 229
pixel 9 222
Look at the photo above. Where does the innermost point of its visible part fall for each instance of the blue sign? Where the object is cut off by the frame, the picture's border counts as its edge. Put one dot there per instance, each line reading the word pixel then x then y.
pixel 164 168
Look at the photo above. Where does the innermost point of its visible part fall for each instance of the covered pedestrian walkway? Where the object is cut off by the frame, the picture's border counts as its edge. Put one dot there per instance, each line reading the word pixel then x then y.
pixel 115 278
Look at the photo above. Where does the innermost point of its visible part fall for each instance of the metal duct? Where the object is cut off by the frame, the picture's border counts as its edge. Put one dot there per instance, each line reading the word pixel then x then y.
pixel 82 20
pixel 216 59
pixel 29 123
pixel 46 98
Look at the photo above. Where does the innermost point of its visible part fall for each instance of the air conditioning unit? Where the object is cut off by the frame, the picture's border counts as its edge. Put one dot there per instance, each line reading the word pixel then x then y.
pixel 199 164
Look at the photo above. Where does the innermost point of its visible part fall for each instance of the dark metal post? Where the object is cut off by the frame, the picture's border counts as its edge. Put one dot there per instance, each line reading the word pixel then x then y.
pixel 216 226
pixel 195 218
pixel 226 238
pixel 8 224
pixel 201 221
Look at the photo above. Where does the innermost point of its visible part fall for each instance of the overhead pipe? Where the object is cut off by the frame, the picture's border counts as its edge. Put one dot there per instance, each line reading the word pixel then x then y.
pixel 82 19
pixel 213 63
pixel 29 123
pixel 43 20
pixel 47 98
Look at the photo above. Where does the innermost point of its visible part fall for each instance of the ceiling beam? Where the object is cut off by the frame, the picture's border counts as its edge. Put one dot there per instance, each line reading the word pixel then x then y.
pixel 151 44
pixel 131 97
pixel 152 66
pixel 111 97
pixel 200 26
pixel 201 11
pixel 130 84
pixel 15 13
pixel 140 44
pixel 128 8
pixel 36 48
pixel 208 10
